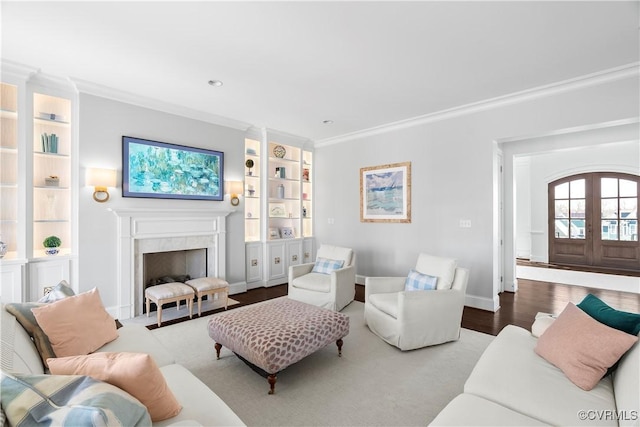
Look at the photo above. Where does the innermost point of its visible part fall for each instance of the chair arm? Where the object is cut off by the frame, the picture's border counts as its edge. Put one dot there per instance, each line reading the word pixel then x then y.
pixel 299 270
pixel 382 285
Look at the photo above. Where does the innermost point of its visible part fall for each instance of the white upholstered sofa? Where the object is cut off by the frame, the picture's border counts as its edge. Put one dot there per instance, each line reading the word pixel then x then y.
pixel 512 386
pixel 200 405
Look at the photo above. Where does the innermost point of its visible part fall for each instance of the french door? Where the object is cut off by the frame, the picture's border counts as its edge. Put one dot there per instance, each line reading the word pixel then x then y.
pixel 593 220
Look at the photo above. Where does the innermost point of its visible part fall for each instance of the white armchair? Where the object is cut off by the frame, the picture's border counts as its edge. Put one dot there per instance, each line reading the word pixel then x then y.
pixel 333 290
pixel 414 319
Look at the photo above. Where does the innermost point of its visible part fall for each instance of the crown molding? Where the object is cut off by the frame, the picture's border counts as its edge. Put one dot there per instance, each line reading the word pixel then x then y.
pixel 155 104
pixel 593 79
pixel 16 70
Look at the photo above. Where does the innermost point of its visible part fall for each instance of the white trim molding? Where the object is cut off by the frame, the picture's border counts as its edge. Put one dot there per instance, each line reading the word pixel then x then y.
pixel 156 104
pixel 593 79
pixel 143 231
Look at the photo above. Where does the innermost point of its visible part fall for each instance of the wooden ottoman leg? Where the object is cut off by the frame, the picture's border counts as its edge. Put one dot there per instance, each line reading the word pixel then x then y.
pixel 148 305
pixel 218 347
pixel 190 305
pixel 339 344
pixel 272 383
pixel 226 301
pixel 200 304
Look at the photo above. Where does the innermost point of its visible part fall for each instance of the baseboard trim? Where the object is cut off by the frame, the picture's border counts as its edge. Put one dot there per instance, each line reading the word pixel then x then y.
pixel 483 303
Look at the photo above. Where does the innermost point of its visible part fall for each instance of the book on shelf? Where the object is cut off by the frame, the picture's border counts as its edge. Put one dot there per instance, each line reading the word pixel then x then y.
pixel 49 143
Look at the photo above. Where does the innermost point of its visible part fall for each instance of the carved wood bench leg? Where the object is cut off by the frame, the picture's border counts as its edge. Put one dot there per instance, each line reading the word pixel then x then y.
pixel 218 348
pixel 272 383
pixel 339 344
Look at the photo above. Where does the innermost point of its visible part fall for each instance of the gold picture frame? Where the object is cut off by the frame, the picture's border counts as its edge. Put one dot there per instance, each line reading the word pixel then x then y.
pixel 385 193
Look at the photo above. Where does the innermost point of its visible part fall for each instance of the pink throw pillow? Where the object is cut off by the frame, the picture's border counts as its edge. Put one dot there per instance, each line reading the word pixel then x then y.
pixel 135 373
pixel 76 325
pixel 582 347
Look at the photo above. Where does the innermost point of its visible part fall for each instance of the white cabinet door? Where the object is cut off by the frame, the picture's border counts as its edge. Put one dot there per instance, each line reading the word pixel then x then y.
pixel 276 257
pixel 308 251
pixel 254 262
pixel 294 252
pixel 11 282
pixel 46 274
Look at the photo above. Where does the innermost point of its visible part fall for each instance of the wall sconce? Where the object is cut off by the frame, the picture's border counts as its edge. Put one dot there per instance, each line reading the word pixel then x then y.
pixel 234 188
pixel 100 179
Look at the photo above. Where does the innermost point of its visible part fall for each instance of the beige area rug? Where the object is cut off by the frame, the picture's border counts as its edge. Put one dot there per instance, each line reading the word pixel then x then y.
pixel 372 384
pixel 171 316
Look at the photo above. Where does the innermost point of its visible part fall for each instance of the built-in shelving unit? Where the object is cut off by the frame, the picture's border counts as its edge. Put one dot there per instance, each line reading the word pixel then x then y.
pixel 52 150
pixel 278 208
pixel 284 207
pixel 9 169
pixel 252 207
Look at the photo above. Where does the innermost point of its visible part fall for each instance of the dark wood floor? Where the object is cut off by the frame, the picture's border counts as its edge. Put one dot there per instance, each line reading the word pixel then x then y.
pixel 517 308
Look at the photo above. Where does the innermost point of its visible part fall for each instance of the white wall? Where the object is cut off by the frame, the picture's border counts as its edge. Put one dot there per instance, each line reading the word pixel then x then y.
pixel 102 124
pixel 531 221
pixel 453 178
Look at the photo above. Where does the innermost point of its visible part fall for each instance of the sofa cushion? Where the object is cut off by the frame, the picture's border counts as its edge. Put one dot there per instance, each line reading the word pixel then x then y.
pixel 139 339
pixel 582 347
pixel 470 410
pixel 76 325
pixel 135 373
pixel 23 314
pixel 17 349
pixel 68 400
pixel 326 265
pixel 386 303
pixel 313 282
pixel 627 387
pixel 443 268
pixel 510 373
pixel 621 320
pixel 60 291
pixel 198 402
pixel 417 281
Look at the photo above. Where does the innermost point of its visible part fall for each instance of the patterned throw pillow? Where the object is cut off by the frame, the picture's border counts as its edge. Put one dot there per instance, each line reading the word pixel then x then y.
pixel 68 400
pixel 58 292
pixel 417 281
pixel 326 266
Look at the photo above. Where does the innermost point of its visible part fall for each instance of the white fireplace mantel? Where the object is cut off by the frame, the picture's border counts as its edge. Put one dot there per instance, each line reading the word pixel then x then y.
pixel 158 230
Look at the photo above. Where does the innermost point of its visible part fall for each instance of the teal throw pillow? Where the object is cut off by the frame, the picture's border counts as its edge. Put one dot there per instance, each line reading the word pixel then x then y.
pixel 620 320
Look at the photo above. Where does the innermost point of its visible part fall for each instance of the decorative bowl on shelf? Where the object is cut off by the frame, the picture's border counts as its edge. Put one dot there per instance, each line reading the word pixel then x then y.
pixel 51 251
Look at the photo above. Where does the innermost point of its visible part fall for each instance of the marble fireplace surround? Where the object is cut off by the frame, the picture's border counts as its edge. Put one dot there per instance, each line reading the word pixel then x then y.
pixel 143 231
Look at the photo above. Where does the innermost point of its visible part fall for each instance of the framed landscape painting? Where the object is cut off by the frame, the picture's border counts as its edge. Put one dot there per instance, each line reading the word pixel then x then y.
pixel 385 193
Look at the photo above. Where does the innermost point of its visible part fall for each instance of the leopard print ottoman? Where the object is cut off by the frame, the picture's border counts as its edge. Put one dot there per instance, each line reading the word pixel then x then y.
pixel 274 334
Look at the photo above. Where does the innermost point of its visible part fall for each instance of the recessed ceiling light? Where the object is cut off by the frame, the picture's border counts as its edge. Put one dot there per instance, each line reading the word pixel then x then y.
pixel 327 122
pixel 215 83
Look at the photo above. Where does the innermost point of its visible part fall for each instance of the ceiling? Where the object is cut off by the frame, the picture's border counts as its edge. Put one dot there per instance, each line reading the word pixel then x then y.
pixel 289 66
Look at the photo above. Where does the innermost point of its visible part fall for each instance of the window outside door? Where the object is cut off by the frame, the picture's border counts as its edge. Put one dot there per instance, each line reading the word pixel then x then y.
pixel 593 221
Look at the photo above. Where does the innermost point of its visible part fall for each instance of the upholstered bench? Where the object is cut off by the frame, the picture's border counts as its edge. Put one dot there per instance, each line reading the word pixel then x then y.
pixel 166 293
pixel 271 335
pixel 209 286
